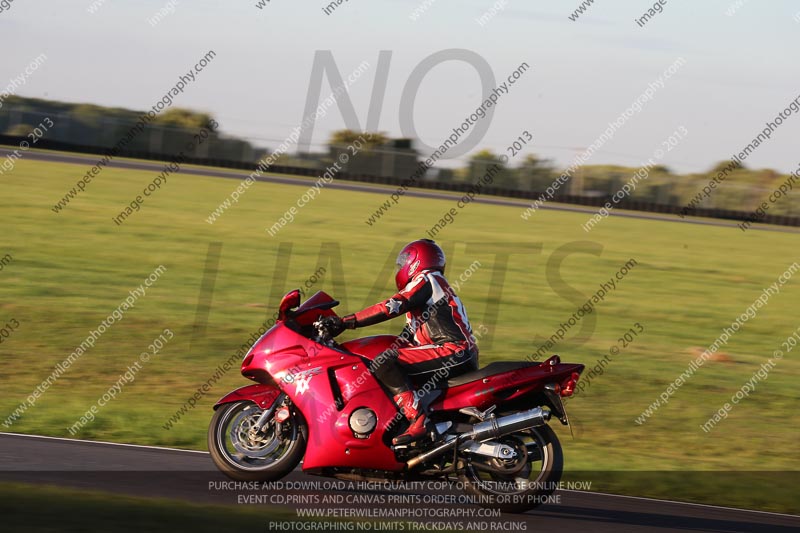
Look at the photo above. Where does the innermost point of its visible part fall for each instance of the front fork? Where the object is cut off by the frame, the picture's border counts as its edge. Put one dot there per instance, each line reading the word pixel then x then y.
pixel 261 423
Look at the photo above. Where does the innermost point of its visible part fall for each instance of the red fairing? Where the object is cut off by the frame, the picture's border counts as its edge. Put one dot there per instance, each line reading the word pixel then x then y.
pixel 307 371
pixel 371 347
pixel 261 395
pixel 492 390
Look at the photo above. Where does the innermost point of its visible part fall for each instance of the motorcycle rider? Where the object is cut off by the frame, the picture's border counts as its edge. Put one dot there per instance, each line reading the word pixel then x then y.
pixel 437 329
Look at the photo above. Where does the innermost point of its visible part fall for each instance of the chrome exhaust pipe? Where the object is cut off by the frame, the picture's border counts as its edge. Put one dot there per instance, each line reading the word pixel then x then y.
pixel 489 429
pixel 497 427
pixel 439 450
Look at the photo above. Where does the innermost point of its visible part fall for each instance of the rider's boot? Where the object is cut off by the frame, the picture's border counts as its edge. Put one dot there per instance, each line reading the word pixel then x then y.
pixel 409 406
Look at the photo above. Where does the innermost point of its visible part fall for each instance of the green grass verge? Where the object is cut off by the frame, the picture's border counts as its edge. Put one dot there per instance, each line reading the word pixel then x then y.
pixel 71 270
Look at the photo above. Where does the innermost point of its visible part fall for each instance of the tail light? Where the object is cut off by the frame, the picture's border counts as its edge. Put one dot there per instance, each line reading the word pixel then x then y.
pixel 568 386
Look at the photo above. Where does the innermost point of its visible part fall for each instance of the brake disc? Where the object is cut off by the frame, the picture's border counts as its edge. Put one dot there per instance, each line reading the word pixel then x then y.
pixel 248 442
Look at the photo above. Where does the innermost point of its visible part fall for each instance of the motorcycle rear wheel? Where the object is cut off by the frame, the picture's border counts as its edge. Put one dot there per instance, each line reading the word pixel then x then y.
pixel 525 489
pixel 266 457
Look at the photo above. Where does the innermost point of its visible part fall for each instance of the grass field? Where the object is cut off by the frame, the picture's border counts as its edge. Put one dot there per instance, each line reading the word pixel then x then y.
pixel 69 271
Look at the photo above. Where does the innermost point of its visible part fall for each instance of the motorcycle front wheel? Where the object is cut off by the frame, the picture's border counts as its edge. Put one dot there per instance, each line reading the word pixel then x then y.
pixel 244 455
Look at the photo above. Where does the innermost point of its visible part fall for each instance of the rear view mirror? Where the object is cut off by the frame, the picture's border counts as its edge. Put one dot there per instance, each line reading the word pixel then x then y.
pixel 289 302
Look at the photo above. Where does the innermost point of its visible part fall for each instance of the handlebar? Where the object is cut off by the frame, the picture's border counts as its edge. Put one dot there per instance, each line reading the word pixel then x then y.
pixel 323 335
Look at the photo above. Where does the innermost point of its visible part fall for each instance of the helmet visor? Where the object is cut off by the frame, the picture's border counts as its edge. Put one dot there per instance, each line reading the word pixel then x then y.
pixel 402 259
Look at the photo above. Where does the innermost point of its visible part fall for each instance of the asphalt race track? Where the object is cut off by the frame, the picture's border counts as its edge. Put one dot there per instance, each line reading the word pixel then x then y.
pixel 89 160
pixel 190 475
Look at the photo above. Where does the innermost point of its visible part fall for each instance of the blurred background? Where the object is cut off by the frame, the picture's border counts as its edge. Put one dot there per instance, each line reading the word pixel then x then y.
pixel 94 129
pixel 92 68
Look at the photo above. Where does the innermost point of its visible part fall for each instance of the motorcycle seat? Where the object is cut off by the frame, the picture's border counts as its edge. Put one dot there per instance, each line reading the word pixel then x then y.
pixel 489 370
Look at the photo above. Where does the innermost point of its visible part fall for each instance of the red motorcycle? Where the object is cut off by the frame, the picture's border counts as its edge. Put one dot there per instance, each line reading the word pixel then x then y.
pixel 316 400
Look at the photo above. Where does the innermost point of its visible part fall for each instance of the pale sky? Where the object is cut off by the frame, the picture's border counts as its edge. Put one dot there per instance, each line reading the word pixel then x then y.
pixel 740 70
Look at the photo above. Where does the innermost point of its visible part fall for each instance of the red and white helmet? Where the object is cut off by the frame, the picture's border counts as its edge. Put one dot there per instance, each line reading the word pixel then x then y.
pixel 415 257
